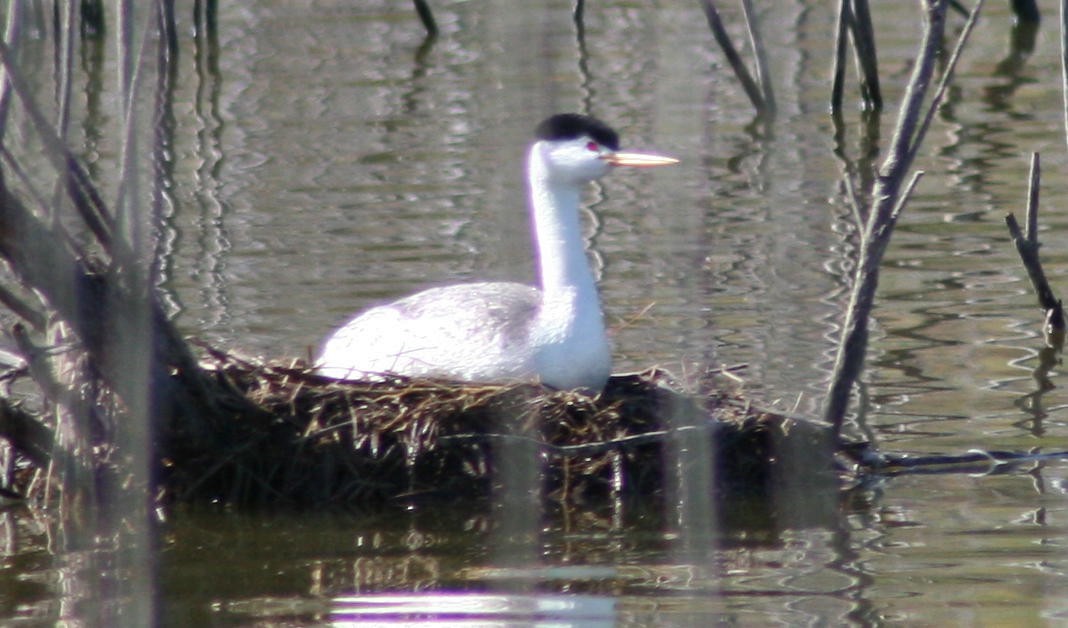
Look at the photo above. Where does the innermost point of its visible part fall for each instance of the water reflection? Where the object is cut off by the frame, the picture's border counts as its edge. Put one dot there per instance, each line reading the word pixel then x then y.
pixel 475 609
pixel 317 160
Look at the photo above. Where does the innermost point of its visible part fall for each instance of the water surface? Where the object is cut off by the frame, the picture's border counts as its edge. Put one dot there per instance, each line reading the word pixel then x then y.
pixel 321 162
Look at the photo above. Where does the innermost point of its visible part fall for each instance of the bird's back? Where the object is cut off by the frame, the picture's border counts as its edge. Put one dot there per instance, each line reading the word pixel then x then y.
pixel 475 332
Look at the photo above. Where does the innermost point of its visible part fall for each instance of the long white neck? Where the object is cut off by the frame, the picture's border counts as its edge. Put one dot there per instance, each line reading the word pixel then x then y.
pixel 561 251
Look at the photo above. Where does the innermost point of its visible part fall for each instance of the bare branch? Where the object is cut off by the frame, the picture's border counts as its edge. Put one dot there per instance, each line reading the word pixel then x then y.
pixel 1034 181
pixel 902 143
pixel 906 194
pixel 1027 245
pixel 890 199
pixel 936 101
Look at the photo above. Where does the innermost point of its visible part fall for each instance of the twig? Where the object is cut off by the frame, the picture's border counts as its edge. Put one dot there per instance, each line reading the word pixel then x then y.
pixel 426 16
pixel 958 7
pixel 855 17
pixel 888 195
pixel 1034 184
pixel 1027 246
pixel 906 195
pixel 946 76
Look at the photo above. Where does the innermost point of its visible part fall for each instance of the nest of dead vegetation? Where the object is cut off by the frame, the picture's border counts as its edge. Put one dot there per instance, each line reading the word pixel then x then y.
pixel 313 440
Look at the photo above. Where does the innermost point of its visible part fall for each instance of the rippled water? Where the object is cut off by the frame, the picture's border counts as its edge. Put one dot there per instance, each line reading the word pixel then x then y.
pixel 322 163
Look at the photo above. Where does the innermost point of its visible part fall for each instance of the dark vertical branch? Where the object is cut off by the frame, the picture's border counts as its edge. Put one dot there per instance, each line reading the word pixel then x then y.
pixel 845 17
pixel 854 22
pixel 92 24
pixel 426 16
pixel 1026 10
pixel 867 59
pixel 1027 246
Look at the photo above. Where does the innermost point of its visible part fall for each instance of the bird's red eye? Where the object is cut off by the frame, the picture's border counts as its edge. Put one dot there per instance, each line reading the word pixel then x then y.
pixel 593 147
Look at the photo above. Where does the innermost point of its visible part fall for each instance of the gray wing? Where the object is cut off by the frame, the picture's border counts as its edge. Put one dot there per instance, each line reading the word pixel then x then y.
pixel 475 332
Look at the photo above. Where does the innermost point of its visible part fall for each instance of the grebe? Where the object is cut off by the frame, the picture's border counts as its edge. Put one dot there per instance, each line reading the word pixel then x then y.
pixel 502 332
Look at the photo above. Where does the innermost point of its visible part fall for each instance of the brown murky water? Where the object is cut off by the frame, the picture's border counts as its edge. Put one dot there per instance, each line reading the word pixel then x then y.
pixel 323 164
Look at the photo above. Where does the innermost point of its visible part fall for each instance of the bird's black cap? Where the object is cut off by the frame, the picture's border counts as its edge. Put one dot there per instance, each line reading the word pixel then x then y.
pixel 569 126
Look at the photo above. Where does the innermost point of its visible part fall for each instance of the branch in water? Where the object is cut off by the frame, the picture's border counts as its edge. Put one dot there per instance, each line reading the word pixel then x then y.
pixel 1027 246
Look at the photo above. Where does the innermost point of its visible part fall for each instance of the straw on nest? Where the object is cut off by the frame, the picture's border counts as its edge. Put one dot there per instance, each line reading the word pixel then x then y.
pixel 313 440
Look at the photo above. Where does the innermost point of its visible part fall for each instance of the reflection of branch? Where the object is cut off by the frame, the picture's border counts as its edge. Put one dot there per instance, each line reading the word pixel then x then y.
pixel 854 18
pixel 1031 403
pixel 760 95
pixel 11 39
pixel 1026 10
pixel 761 59
pixel 891 189
pixel 1027 246
pixel 426 16
pixel 87 200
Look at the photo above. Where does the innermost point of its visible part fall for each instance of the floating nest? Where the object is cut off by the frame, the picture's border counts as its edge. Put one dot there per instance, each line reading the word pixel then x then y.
pixel 312 441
